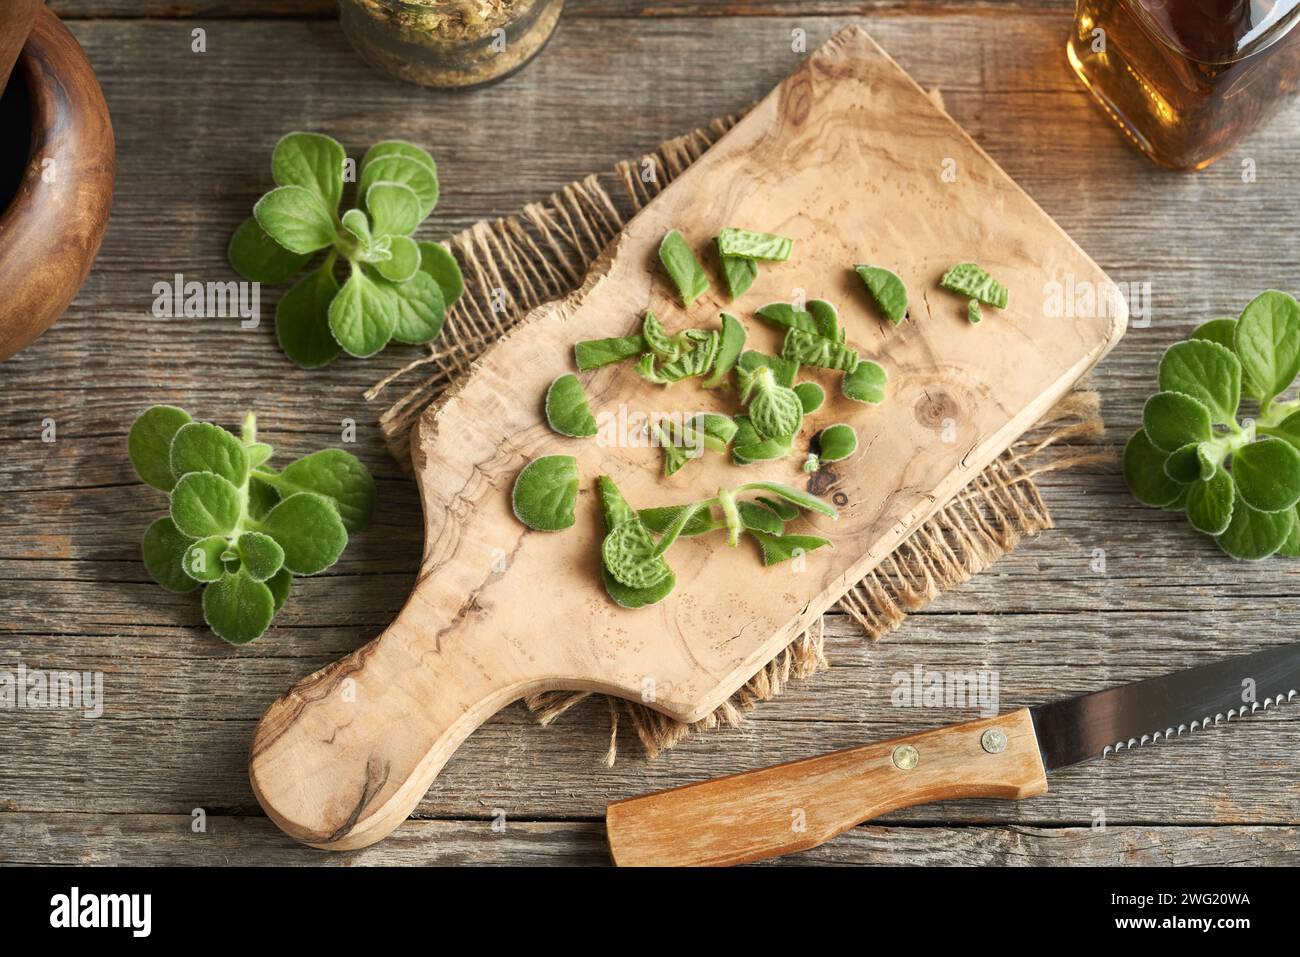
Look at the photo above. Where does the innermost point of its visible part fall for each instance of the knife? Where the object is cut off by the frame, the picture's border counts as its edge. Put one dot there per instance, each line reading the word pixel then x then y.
pixel 794 806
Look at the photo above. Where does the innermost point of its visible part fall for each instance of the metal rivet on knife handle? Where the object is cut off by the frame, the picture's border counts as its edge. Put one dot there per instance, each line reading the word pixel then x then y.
pixel 994 741
pixel 906 757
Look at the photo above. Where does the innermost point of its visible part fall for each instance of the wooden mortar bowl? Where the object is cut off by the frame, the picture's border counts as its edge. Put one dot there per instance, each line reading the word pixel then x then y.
pixel 52 229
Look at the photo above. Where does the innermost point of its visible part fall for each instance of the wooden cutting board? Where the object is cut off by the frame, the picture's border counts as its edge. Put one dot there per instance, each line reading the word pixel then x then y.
pixel 850 159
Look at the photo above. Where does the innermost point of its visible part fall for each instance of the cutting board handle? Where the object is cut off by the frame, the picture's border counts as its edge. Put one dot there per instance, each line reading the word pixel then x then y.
pixel 344 756
pixel 801 804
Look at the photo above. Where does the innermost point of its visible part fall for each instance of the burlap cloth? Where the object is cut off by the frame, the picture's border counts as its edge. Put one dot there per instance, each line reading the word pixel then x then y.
pixel 514 264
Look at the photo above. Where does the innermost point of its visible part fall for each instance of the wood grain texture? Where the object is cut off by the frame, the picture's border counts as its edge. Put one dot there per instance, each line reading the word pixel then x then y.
pixel 1050 619
pixel 801 804
pixel 163 839
pixel 52 229
pixel 346 755
pixel 328 9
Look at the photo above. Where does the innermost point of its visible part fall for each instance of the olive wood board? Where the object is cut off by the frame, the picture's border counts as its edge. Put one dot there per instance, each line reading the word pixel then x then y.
pixel 853 161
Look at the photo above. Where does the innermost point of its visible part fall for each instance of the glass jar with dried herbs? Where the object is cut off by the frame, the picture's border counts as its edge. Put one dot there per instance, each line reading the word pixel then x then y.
pixel 452 44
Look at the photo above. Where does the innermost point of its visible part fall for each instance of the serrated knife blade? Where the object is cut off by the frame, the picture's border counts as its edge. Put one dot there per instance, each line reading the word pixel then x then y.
pixel 798 805
pixel 1145 712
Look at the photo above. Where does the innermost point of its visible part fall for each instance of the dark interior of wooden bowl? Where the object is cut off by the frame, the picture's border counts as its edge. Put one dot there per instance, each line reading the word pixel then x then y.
pixel 15 137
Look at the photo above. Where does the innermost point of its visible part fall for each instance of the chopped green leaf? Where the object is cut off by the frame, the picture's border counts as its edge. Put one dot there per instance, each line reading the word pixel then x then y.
pixel 866 383
pixel 887 290
pixel 969 279
pixel 546 492
pixel 748 244
pixel 683 268
pixel 567 411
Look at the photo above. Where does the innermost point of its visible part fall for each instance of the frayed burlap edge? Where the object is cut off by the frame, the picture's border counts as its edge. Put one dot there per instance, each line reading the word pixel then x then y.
pixel 515 264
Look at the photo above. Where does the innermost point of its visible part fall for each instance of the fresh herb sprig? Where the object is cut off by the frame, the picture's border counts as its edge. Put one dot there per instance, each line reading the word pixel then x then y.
pixel 632 560
pixel 237 525
pixel 1239 482
pixel 392 286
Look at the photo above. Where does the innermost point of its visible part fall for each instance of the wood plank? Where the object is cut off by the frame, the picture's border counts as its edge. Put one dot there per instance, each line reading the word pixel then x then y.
pixel 190 708
pixel 182 704
pixel 328 9
pixel 159 839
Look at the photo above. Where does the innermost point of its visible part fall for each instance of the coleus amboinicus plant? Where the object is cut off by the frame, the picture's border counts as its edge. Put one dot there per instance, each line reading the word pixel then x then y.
pixel 371 282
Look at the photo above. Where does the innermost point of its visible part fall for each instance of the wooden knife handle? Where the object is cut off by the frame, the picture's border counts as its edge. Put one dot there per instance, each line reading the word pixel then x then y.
pixel 795 806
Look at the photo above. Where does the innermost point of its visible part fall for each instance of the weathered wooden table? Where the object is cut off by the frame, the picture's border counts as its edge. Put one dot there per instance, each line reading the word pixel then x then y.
pixel 1115 592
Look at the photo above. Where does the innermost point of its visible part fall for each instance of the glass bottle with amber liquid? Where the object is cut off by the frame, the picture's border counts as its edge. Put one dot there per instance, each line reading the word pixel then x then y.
pixel 1187 79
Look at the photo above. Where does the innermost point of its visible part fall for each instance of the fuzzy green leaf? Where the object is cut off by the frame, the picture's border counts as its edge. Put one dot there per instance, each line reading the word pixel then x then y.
pixel 739 273
pixel 203 504
pixel 759 518
pixel 660 518
pixel 1209 503
pixel 1208 373
pixel 202 560
pixel 546 492
pixel 309 529
pixel 969 279
pixel 403 261
pixel 683 268
pixel 786 316
pixel 1191 463
pixel 163 550
pixel 259 258
pixel 628 552
pixel 296 218
pixel 280 584
pixel 811 349
pixel 394 209
pixel 781 548
pixel 262 496
pixel 398 148
pixel 594 353
pixel 783 369
pixel 616 511
pixel 438 262
pixel 774 410
pixel 417 308
pixel 1288 430
pixel 1172 420
pixel 836 442
pixel 1267 473
pixel 793 495
pixel 259 555
pixel 302 320
pixel 866 383
pixel 731 343
pixel 204 447
pixel 1253 535
pixel 827 320
pixel 811 395
pixel 1267 340
pixel 887 290
pixel 362 316
pixel 338 476
pixel 567 411
pixel 238 608
pixel 1144 471
pixel 312 161
pixel 150 441
pixel 753 245
pixel 420 177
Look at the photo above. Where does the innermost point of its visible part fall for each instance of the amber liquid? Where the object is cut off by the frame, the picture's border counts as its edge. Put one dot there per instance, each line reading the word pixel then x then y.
pixel 1187 79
